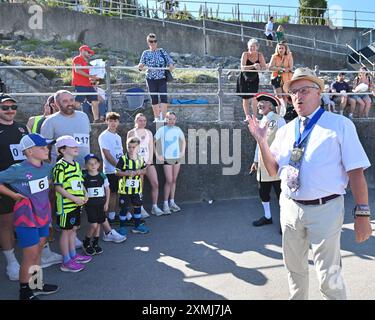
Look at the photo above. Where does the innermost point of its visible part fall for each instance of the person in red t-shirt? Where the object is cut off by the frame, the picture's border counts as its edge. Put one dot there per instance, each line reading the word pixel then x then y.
pixel 81 81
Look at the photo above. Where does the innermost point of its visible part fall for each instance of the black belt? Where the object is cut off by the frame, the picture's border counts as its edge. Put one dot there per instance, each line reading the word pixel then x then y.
pixel 316 202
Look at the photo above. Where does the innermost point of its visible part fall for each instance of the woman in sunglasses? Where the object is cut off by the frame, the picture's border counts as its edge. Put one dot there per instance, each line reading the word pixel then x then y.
pixel 156 78
pixel 35 123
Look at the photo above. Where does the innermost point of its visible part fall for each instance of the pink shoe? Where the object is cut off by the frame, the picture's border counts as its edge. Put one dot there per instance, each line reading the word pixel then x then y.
pixel 71 266
pixel 81 258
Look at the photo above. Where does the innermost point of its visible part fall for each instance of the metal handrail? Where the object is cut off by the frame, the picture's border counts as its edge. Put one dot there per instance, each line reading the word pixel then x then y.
pixel 360 54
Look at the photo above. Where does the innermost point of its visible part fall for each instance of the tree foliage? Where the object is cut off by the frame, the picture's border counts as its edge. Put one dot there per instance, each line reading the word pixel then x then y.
pixel 312 11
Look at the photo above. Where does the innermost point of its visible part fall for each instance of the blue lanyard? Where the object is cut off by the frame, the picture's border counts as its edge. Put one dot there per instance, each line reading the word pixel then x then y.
pixel 301 137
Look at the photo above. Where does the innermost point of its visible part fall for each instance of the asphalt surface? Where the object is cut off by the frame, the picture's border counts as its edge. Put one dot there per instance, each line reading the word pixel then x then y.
pixel 206 251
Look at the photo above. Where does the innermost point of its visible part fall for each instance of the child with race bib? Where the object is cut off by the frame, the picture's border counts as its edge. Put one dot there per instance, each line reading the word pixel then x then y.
pixel 97 186
pixel 30 182
pixel 70 197
pixel 130 168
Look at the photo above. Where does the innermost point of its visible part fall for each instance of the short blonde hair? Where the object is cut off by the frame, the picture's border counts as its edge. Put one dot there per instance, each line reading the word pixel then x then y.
pixel 133 140
pixel 253 41
pixel 151 36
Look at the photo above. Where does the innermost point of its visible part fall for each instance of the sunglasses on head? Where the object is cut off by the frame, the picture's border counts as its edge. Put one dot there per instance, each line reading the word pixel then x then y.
pixel 152 41
pixel 6 108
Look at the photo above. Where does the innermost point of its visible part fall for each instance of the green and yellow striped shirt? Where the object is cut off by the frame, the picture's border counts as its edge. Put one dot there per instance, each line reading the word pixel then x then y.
pixel 70 177
pixel 130 185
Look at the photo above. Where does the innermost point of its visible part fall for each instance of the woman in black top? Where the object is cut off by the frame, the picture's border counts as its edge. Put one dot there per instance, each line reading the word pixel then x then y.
pixel 248 82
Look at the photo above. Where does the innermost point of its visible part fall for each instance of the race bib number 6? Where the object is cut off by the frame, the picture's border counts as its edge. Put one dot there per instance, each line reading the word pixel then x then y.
pixel 39 185
pixel 16 151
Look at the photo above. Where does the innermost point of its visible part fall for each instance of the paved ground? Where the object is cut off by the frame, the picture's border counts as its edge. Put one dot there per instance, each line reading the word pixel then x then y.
pixel 204 252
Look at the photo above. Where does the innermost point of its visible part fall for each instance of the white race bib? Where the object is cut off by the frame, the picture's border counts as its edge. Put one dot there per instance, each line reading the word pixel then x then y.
pixel 39 185
pixel 77 185
pixel 132 183
pixel 16 151
pixel 82 138
pixel 95 192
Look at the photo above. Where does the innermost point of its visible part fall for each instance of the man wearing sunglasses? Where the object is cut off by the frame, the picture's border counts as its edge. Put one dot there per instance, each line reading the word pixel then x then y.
pixel 11 134
pixel 315 155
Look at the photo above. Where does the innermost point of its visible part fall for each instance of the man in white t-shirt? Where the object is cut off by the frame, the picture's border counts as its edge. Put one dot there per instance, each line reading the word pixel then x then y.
pixel 110 144
pixel 68 121
pixel 269 32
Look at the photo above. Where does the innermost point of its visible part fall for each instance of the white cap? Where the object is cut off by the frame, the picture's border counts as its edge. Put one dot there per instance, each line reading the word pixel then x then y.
pixel 67 141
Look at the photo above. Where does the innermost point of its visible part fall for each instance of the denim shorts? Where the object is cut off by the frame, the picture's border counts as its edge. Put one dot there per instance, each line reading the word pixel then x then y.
pixel 89 98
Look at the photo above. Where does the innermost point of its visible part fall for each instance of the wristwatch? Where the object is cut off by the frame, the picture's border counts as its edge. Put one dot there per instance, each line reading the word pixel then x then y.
pixel 361 210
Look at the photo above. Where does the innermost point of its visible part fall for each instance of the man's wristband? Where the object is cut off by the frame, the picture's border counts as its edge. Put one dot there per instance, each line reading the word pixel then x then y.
pixel 361 211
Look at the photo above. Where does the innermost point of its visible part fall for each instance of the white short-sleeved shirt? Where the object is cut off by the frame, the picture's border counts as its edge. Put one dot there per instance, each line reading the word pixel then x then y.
pixel 269 26
pixel 333 149
pixel 170 141
pixel 113 143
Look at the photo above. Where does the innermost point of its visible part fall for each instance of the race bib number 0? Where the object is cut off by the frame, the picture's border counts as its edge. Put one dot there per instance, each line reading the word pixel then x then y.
pixel 132 183
pixel 77 185
pixel 16 151
pixel 83 139
pixel 39 185
pixel 95 192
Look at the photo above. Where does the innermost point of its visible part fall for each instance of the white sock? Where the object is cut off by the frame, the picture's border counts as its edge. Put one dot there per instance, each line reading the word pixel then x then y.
pixel 9 255
pixel 171 201
pixel 128 216
pixel 267 211
pixel 155 205
pixel 166 204
pixel 111 215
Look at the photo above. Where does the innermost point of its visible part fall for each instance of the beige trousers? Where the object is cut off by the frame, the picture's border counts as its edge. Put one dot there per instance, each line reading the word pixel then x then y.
pixel 319 227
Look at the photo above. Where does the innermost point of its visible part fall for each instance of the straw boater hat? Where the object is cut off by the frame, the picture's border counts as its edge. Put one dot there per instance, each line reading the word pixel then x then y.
pixel 265 96
pixel 304 74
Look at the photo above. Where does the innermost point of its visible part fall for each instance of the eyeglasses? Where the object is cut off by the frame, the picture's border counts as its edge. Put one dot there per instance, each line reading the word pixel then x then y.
pixel 6 108
pixel 303 90
pixel 152 41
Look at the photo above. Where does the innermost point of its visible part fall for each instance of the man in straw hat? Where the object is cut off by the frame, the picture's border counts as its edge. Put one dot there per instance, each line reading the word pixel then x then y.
pixel 315 156
pixel 267 106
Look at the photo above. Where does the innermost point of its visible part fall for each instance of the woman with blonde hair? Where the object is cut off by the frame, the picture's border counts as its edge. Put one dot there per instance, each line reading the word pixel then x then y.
pixel 282 65
pixel 146 150
pixel 248 82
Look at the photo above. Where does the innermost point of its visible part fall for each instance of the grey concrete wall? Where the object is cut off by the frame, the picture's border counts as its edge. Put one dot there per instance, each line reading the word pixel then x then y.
pixel 129 33
pixel 206 181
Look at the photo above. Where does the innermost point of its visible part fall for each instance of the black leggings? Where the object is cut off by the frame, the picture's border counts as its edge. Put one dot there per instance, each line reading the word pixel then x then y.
pixel 160 86
pixel 265 190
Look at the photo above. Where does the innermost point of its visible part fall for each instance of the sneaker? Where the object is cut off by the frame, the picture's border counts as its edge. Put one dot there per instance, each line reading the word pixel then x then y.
pixel 141 229
pixel 122 231
pixel 27 294
pixel 13 271
pixel 80 258
pixel 174 207
pixel 131 222
pixel 262 221
pixel 166 210
pixel 89 250
pixel 49 258
pixel 72 266
pixel 97 249
pixel 47 289
pixel 79 243
pixel 144 213
pixel 157 211
pixel 114 236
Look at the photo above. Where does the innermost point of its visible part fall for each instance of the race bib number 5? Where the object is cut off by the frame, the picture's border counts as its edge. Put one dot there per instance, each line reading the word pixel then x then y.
pixel 16 151
pixel 77 185
pixel 39 185
pixel 95 192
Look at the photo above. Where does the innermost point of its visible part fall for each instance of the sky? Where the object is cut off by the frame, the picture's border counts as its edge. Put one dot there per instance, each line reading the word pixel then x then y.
pixel 347 17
